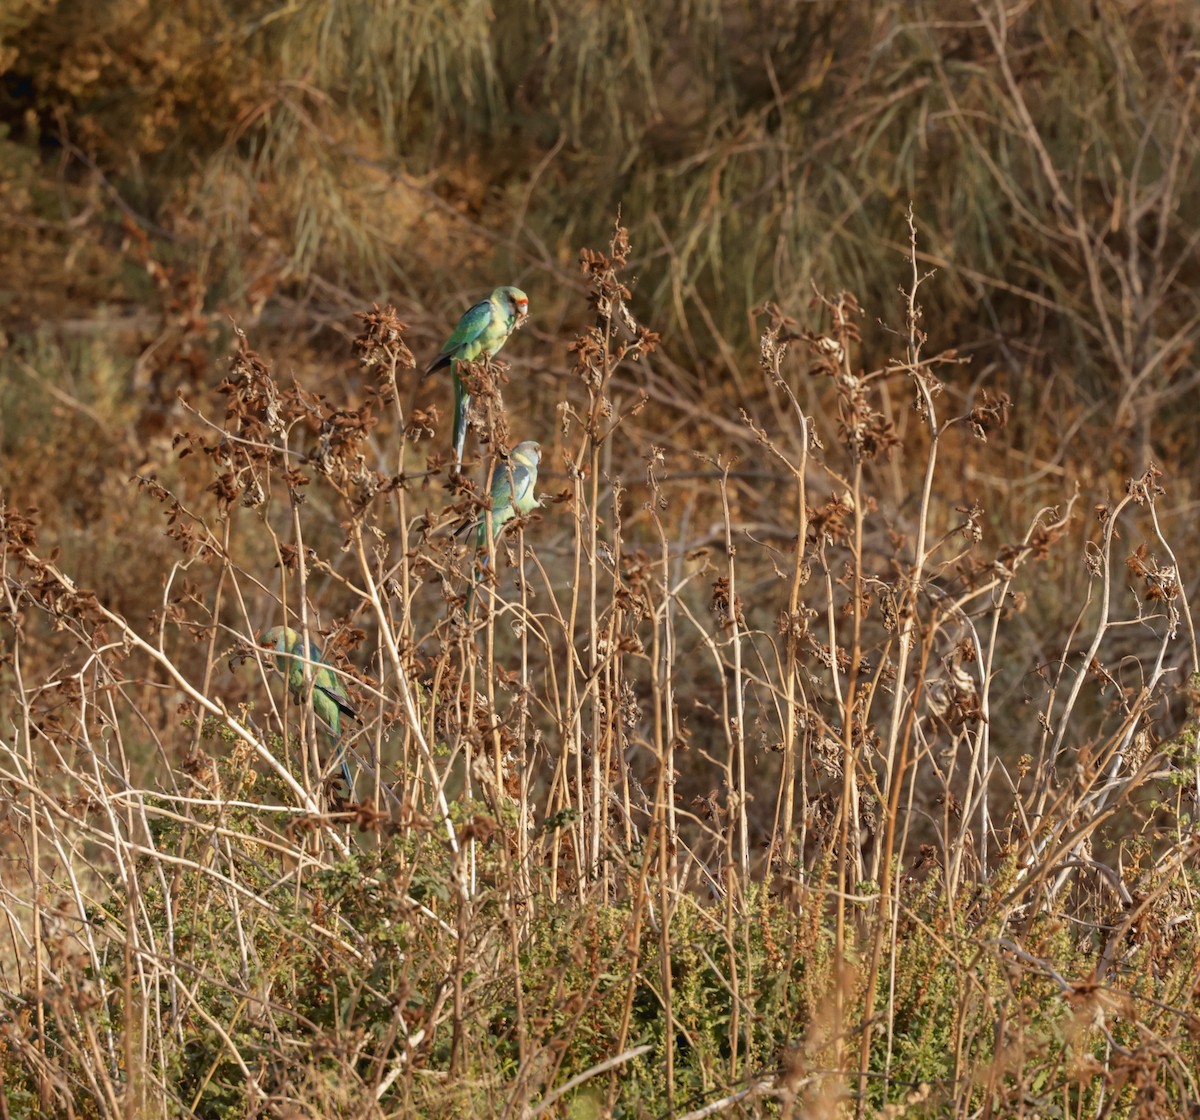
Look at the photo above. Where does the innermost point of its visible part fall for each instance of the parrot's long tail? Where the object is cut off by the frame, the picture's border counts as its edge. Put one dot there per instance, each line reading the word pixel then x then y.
pixel 347 777
pixel 373 778
pixel 462 408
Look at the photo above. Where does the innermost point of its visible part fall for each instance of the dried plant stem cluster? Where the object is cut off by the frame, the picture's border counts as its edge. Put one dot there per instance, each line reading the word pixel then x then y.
pixel 696 809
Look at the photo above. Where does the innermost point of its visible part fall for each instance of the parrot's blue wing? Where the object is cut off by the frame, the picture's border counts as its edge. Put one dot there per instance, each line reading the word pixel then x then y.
pixel 336 692
pixel 511 482
pixel 474 322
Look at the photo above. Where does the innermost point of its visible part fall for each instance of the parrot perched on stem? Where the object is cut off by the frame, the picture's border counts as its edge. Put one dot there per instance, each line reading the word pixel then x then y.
pixel 481 332
pixel 513 483
pixel 329 699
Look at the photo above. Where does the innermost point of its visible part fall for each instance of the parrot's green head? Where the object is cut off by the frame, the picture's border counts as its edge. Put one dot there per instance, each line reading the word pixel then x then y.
pixel 278 638
pixel 515 303
pixel 526 454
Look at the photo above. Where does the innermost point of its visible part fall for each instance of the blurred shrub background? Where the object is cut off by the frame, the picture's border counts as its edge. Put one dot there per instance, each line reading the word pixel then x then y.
pixel 166 166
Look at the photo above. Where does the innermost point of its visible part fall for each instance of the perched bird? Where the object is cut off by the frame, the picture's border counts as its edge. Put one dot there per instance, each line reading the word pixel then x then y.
pixel 329 699
pixel 513 493
pixel 480 332
pixel 513 483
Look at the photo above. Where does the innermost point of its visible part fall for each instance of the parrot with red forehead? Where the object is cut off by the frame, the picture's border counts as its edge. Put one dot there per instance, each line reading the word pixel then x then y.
pixel 481 332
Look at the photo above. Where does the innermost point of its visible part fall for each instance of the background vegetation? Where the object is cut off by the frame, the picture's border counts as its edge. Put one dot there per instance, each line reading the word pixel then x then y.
pixel 824 745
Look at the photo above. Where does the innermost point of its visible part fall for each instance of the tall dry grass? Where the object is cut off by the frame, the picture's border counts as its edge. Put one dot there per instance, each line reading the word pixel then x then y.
pixel 757 818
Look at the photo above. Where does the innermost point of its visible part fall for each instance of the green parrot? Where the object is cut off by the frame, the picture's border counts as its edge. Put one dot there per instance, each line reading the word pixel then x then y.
pixel 513 483
pixel 481 331
pixel 329 698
